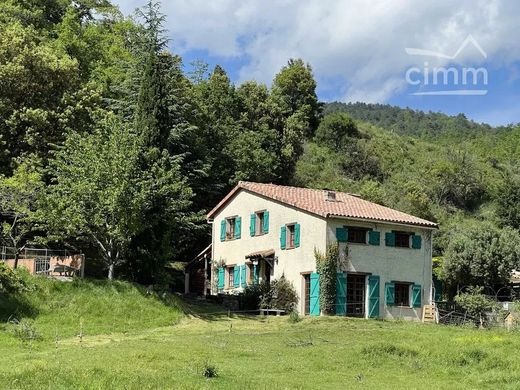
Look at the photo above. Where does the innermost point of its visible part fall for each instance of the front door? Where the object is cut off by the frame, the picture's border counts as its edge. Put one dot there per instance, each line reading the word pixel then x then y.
pixel 356 287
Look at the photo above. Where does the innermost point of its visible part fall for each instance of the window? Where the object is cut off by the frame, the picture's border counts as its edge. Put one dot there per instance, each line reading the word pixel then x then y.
pixel 260 223
pixel 231 277
pixel 230 228
pixel 402 294
pixel 402 239
pixel 357 235
pixel 290 236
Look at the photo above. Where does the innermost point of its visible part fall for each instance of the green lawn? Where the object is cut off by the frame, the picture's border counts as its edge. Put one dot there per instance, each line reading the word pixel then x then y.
pixel 164 348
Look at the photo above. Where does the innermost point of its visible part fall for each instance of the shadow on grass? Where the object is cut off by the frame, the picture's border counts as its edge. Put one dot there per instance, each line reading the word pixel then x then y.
pixel 15 306
pixel 210 311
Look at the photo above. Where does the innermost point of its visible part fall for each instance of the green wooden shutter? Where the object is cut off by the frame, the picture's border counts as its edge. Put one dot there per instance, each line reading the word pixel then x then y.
pixel 416 241
pixel 243 275
pixel 296 235
pixel 389 293
pixel 374 237
pixel 390 239
pixel 252 225
pixel 238 227
pixel 283 237
pixel 266 222
pixel 255 274
pixel 342 234
pixel 314 295
pixel 373 296
pixel 416 296
pixel 220 282
pixel 223 230
pixel 341 294
pixel 236 277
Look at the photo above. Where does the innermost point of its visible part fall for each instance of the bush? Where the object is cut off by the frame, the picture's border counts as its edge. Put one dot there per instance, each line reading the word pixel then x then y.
pixel 252 296
pixel 11 281
pixel 281 296
pixel 294 317
pixel 24 330
pixel 209 370
pixel 475 303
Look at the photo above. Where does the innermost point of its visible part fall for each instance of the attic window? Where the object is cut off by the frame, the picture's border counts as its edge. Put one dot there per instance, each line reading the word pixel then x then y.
pixel 331 196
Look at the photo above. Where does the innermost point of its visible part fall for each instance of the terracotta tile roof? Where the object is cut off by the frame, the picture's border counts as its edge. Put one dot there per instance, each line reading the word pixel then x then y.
pixel 316 202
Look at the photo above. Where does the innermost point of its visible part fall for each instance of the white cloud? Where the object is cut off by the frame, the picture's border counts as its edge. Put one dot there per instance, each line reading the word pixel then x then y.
pixel 360 43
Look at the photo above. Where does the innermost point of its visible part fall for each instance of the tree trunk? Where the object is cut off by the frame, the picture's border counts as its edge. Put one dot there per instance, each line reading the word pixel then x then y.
pixel 16 255
pixel 111 271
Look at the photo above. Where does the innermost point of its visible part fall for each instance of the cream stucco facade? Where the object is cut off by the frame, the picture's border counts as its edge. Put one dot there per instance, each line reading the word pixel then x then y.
pixel 389 263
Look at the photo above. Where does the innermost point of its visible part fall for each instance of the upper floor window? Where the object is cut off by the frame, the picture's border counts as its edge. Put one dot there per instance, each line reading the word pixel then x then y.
pixel 290 236
pixel 259 224
pixel 230 228
pixel 357 235
pixel 402 239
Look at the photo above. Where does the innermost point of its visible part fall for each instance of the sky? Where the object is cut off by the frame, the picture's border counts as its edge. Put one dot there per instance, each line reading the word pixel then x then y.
pixel 449 56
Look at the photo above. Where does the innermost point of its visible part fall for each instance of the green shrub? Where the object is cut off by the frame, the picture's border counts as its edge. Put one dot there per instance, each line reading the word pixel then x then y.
pixel 209 370
pixel 24 330
pixel 475 303
pixel 281 296
pixel 11 281
pixel 252 296
pixel 294 317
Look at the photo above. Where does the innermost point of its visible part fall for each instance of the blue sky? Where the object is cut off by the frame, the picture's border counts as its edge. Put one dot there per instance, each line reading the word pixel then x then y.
pixel 358 49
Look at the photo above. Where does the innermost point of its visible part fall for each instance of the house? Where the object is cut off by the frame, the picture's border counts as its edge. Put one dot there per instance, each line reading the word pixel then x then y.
pixel 263 231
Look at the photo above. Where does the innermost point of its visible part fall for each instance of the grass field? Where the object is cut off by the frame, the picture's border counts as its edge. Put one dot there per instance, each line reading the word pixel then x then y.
pixel 148 343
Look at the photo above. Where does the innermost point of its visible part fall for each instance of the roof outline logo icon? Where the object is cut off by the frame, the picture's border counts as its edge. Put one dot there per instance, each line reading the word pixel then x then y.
pixel 430 53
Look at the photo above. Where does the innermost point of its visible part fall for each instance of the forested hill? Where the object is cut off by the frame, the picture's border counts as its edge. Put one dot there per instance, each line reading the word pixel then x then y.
pixel 108 146
pixel 406 121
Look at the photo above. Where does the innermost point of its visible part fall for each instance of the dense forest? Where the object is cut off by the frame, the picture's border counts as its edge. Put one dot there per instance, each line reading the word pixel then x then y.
pixel 111 145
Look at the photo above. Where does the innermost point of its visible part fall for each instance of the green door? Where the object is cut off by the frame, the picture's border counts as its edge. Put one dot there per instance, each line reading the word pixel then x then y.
pixel 315 295
pixel 341 294
pixel 373 296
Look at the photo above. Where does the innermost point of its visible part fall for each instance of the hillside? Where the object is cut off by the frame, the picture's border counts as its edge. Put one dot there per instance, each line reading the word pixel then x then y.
pixel 453 178
pixel 406 121
pixel 51 309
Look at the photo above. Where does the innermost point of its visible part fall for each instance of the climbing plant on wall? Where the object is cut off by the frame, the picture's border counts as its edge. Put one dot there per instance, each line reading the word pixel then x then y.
pixel 326 265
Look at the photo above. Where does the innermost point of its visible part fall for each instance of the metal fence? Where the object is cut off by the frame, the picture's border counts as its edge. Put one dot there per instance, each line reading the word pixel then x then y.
pixel 7 253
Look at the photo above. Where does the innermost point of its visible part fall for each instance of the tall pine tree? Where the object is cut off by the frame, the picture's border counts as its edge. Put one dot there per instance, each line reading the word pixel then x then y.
pixel 167 215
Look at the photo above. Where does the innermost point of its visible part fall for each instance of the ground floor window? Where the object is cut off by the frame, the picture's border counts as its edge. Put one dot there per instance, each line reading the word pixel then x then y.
pixel 402 294
pixel 231 277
